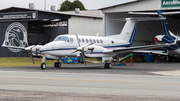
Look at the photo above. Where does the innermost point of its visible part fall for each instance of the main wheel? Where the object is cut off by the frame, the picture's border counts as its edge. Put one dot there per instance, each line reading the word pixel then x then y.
pixel 43 66
pixel 55 64
pixel 105 65
pixel 58 64
pixel 109 65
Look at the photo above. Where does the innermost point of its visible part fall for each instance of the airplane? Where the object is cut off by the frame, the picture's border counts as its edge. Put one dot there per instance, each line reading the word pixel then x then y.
pixel 90 46
pixel 167 37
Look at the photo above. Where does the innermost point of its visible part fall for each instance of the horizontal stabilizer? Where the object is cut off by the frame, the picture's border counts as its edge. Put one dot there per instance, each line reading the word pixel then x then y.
pixel 130 49
pixel 138 19
pixel 155 13
pixel 159 52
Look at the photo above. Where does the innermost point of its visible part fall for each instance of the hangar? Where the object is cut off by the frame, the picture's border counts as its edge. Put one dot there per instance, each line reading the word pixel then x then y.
pixel 28 26
pixel 145 30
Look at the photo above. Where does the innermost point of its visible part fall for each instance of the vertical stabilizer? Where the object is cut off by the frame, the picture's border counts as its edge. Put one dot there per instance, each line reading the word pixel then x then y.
pixel 129 30
pixel 169 37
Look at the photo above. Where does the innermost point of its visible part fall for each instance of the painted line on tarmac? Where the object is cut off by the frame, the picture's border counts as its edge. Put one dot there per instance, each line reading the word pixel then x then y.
pixel 128 82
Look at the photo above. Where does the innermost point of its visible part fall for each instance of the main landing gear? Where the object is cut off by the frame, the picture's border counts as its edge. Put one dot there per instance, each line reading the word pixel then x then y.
pixel 57 64
pixel 43 65
pixel 108 66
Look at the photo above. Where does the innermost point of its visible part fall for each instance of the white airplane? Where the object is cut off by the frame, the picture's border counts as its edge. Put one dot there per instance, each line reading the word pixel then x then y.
pixel 168 37
pixel 90 46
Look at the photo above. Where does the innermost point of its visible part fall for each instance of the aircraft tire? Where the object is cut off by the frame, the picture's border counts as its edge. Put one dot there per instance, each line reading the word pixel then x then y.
pixel 109 65
pixel 55 64
pixel 43 66
pixel 105 65
pixel 58 64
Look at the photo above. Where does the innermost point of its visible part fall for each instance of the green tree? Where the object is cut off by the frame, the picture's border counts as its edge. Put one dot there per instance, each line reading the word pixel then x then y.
pixel 70 6
pixel 66 6
pixel 77 4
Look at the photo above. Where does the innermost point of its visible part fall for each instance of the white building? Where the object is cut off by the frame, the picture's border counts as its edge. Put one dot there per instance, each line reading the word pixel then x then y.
pixel 145 30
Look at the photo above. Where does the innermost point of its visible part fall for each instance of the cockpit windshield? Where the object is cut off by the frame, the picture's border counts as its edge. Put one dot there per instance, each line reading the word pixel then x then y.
pixel 61 39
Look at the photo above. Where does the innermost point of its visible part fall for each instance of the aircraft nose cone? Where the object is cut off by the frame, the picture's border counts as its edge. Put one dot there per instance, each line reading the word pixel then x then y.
pixel 155 39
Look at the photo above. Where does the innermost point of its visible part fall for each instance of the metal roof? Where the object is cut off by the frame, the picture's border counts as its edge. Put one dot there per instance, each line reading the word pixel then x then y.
pixel 119 4
pixel 58 12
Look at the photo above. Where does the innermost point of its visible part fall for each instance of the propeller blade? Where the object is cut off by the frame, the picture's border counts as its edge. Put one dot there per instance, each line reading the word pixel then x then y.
pixel 83 57
pixel 77 40
pixel 21 53
pixel 88 45
pixel 31 57
pixel 74 52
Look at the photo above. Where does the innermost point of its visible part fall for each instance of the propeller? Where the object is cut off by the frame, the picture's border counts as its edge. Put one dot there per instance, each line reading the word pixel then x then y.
pixel 30 49
pixel 81 49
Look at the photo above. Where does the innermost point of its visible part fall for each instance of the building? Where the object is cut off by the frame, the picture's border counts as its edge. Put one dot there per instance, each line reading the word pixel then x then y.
pixel 22 26
pixel 145 30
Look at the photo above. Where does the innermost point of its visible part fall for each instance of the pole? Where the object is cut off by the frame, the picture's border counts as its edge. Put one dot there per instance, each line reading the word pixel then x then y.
pixel 44 4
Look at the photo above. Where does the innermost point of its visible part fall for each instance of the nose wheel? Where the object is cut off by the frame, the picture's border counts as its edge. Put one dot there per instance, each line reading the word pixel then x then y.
pixel 57 65
pixel 43 66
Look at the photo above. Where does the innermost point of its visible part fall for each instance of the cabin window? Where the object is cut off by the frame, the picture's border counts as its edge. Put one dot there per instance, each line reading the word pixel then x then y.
pixel 67 40
pixel 94 41
pixel 61 39
pixel 112 42
pixel 87 40
pixel 83 40
pixel 71 40
pixel 79 40
pixel 97 41
pixel 101 41
pixel 90 40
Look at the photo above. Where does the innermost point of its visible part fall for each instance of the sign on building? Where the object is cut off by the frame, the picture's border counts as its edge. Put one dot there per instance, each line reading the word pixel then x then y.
pixel 19 16
pixel 170 3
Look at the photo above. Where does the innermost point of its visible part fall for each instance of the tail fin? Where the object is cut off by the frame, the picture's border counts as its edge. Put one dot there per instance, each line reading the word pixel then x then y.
pixel 169 36
pixel 129 30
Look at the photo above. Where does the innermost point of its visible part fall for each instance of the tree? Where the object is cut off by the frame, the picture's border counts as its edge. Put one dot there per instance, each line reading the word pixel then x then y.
pixel 77 4
pixel 66 6
pixel 70 6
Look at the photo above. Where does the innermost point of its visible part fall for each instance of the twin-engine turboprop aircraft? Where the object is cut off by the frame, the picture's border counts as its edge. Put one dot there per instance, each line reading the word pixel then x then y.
pixel 90 46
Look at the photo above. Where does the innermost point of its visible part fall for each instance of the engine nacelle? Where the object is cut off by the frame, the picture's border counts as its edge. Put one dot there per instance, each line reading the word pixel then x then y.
pixel 158 38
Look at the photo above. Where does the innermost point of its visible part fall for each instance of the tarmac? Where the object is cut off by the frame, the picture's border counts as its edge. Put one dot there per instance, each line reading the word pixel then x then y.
pixel 91 82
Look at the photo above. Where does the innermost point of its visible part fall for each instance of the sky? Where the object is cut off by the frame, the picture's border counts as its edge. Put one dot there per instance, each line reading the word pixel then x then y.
pixel 39 4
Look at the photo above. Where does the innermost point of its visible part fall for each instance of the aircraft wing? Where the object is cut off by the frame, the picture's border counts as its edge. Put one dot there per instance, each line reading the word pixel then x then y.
pixel 130 49
pixel 159 52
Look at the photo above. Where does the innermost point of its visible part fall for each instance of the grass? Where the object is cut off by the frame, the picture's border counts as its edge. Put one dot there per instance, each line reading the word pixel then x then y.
pixel 26 61
pixel 93 59
pixel 22 61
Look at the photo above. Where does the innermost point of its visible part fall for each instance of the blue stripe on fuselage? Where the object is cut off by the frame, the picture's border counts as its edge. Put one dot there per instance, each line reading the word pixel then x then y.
pixel 76 48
